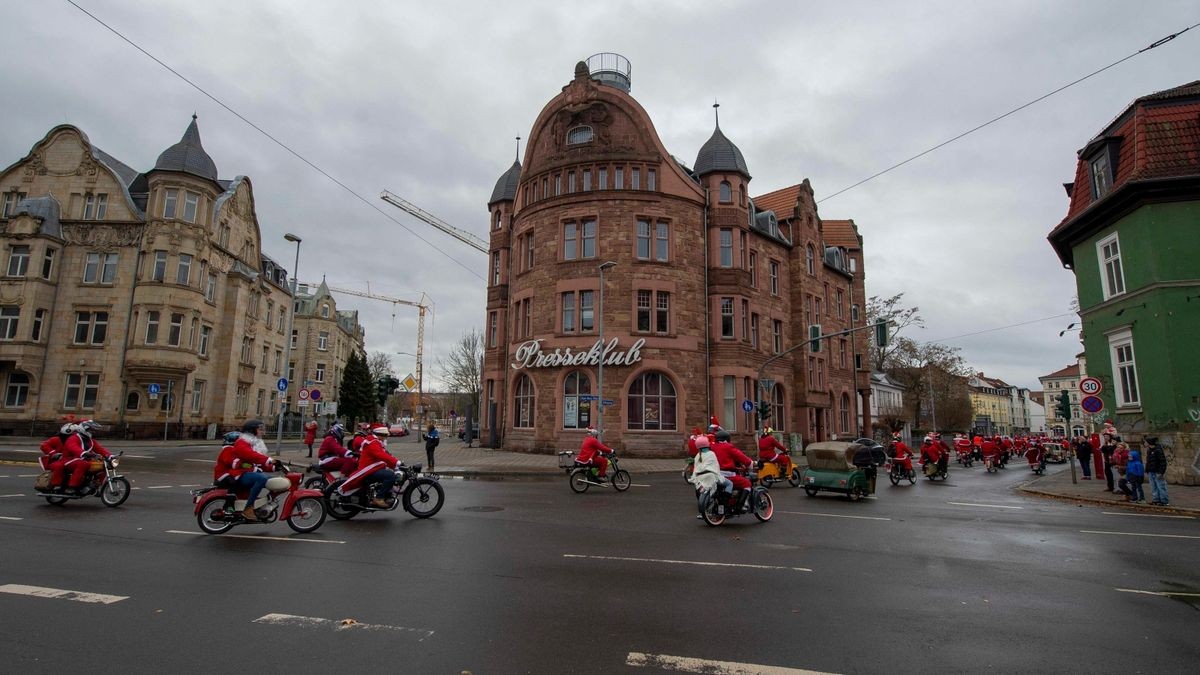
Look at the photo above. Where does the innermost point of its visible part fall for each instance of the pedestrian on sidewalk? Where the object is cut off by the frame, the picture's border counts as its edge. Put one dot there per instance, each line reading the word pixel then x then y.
pixel 1107 450
pixel 1083 451
pixel 1135 471
pixel 431 438
pixel 1120 459
pixel 310 434
pixel 1156 469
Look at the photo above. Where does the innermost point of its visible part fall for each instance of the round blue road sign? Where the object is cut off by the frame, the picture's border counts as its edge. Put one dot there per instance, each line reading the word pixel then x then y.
pixel 747 406
pixel 314 394
pixel 281 385
pixel 153 389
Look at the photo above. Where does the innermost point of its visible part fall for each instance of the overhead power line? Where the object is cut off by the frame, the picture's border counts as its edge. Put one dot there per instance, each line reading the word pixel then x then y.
pixel 1157 43
pixel 998 328
pixel 274 140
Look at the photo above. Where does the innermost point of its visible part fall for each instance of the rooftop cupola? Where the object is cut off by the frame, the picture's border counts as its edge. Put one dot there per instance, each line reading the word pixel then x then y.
pixel 188 156
pixel 720 154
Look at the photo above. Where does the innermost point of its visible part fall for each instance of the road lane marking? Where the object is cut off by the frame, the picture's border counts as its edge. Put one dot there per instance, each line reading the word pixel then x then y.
pixel 77 596
pixel 687 562
pixel 138 456
pixel 26 451
pixel 206 461
pixel 990 506
pixel 159 487
pixel 344 624
pixel 191 485
pixel 3 496
pixel 1164 594
pixel 261 537
pixel 639 485
pixel 690 665
pixel 831 515
pixel 28 475
pixel 1142 534
pixel 9 518
pixel 1146 515
pixel 5 476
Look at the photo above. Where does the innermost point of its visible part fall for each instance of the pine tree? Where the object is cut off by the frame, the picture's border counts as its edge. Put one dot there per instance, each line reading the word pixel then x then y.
pixel 357 391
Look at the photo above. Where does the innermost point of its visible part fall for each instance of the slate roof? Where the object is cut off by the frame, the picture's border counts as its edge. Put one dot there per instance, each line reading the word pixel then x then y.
pixel 506 186
pixel 188 156
pixel 126 173
pixel 720 154
pixel 46 209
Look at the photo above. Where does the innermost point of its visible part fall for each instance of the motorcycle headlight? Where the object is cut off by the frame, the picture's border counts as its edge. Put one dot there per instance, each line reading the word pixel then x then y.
pixel 115 461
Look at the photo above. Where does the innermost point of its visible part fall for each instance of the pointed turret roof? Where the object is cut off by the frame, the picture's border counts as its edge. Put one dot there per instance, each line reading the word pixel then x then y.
pixel 506 186
pixel 188 156
pixel 720 154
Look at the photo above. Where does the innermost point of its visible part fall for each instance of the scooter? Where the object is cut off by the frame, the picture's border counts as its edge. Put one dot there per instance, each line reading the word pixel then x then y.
pixel 102 481
pixel 718 504
pixel 219 509
pixel 420 494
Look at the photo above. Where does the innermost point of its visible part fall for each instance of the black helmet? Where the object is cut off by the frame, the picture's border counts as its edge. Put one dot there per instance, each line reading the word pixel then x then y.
pixel 252 426
pixel 723 435
pixel 231 437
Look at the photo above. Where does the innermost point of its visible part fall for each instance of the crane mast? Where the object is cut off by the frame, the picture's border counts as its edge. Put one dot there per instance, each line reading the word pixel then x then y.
pixel 425 216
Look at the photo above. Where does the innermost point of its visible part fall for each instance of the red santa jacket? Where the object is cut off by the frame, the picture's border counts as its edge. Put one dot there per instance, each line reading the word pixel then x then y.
pixel 235 460
pixel 52 445
pixel 373 451
pixel 591 446
pixel 769 447
pixel 331 448
pixel 729 457
pixel 77 445
pixel 356 443
pixel 990 449
pixel 930 451
pixel 900 450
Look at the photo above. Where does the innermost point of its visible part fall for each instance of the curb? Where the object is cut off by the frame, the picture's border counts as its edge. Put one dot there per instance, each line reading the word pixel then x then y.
pixel 1171 510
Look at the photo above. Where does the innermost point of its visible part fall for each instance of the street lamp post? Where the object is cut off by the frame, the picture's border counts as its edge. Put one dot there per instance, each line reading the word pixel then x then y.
pixel 287 358
pixel 600 366
pixel 416 436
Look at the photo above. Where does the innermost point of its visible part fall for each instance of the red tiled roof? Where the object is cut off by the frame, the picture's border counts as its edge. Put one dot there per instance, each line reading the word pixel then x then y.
pixel 781 201
pixel 841 233
pixel 1038 397
pixel 1069 371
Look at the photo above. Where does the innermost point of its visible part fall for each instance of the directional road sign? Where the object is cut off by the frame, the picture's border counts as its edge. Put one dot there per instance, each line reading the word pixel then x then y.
pixel 1092 404
pixel 281 385
pixel 1090 386
pixel 609 401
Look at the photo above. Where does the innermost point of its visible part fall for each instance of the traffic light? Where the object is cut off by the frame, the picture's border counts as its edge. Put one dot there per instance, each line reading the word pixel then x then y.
pixel 1064 406
pixel 814 338
pixel 881 333
pixel 764 411
pixel 384 387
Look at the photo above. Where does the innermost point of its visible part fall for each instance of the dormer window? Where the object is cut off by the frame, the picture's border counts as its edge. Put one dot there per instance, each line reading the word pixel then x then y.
pixel 324 311
pixel 1101 177
pixel 580 134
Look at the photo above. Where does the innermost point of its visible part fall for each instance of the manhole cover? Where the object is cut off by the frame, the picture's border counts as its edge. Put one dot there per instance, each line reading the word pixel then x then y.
pixel 483 509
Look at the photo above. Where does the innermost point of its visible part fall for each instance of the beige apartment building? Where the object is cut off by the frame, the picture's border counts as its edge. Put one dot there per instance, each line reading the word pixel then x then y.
pixel 322 341
pixel 142 300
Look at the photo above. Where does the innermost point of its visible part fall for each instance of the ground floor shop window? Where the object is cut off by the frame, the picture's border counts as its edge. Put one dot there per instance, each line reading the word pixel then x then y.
pixel 523 401
pixel 652 403
pixel 577 407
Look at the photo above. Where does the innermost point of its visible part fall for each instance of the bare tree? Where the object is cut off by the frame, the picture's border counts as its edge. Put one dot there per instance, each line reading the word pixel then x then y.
pixel 461 368
pixel 933 376
pixel 898 318
pixel 380 365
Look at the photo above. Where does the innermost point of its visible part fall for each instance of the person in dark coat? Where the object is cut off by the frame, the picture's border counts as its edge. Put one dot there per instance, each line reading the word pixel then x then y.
pixel 1156 470
pixel 1107 449
pixel 1083 451
pixel 431 438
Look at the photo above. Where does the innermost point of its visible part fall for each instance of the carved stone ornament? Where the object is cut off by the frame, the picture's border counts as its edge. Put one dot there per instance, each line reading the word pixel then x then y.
pixel 594 114
pixel 100 236
pixel 18 297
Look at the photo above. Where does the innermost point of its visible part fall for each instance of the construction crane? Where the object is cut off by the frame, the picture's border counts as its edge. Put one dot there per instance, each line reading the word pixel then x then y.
pixel 412 209
pixel 421 305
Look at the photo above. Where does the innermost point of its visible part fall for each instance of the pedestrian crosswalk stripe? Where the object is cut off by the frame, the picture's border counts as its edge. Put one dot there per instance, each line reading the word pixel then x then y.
pixel 58 593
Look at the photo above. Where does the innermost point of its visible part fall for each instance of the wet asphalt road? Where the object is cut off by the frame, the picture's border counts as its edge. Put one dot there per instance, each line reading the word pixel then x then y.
pixel 524 576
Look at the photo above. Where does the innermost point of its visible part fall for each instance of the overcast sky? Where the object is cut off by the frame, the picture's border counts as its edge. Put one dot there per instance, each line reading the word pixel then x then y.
pixel 425 98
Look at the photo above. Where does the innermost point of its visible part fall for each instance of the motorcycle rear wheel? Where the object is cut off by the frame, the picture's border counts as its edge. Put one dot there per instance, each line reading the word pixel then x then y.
pixel 429 497
pixel 708 510
pixel 335 507
pixel 794 478
pixel 621 480
pixel 579 481
pixel 114 492
pixel 811 491
pixel 855 494
pixel 308 513
pixel 764 506
pixel 56 500
pixel 206 521
pixel 894 477
pixel 316 483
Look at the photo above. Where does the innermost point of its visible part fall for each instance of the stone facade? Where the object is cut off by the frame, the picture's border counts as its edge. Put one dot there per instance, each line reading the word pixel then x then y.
pixel 325 339
pixel 708 284
pixel 132 280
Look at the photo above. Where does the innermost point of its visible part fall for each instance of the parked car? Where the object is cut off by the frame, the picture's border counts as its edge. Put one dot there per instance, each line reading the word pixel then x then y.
pixel 397 430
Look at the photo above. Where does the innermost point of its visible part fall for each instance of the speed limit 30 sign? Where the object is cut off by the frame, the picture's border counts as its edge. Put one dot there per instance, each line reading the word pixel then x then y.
pixel 1090 386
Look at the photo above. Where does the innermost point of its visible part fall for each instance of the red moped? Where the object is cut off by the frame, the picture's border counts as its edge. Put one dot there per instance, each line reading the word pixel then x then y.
pixel 219 509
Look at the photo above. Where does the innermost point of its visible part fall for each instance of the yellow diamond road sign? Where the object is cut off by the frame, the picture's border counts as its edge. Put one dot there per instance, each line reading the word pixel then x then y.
pixel 409 382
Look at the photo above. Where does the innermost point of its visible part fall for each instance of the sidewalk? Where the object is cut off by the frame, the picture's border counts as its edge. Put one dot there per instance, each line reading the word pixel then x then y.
pixel 1184 498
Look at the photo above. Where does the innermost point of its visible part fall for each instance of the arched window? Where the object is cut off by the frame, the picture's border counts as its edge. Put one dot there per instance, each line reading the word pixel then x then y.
pixel 166 402
pixel 845 413
pixel 577 135
pixel 523 400
pixel 577 413
pixel 725 194
pixel 651 403
pixel 325 311
pixel 778 412
pixel 133 401
pixel 809 259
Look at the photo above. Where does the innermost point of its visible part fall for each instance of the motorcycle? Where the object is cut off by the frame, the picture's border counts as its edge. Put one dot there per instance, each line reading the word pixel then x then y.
pixel 102 480
pixel 991 463
pixel 897 472
pixel 582 476
pixel 718 504
pixel 219 508
pixel 421 495
pixel 322 478
pixel 934 470
pixel 1036 456
pixel 964 455
pixel 688 468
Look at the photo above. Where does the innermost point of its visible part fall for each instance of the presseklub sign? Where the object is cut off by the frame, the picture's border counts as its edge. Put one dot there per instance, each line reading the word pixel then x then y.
pixel 530 355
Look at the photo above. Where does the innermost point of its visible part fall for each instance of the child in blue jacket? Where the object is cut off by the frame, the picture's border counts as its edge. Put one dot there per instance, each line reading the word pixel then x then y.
pixel 1135 471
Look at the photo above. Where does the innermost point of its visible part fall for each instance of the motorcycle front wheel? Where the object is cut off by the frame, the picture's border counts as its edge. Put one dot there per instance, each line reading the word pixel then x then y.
pixel 308 513
pixel 621 480
pixel 423 497
pixel 894 476
pixel 211 518
pixel 115 491
pixel 579 481
pixel 764 506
